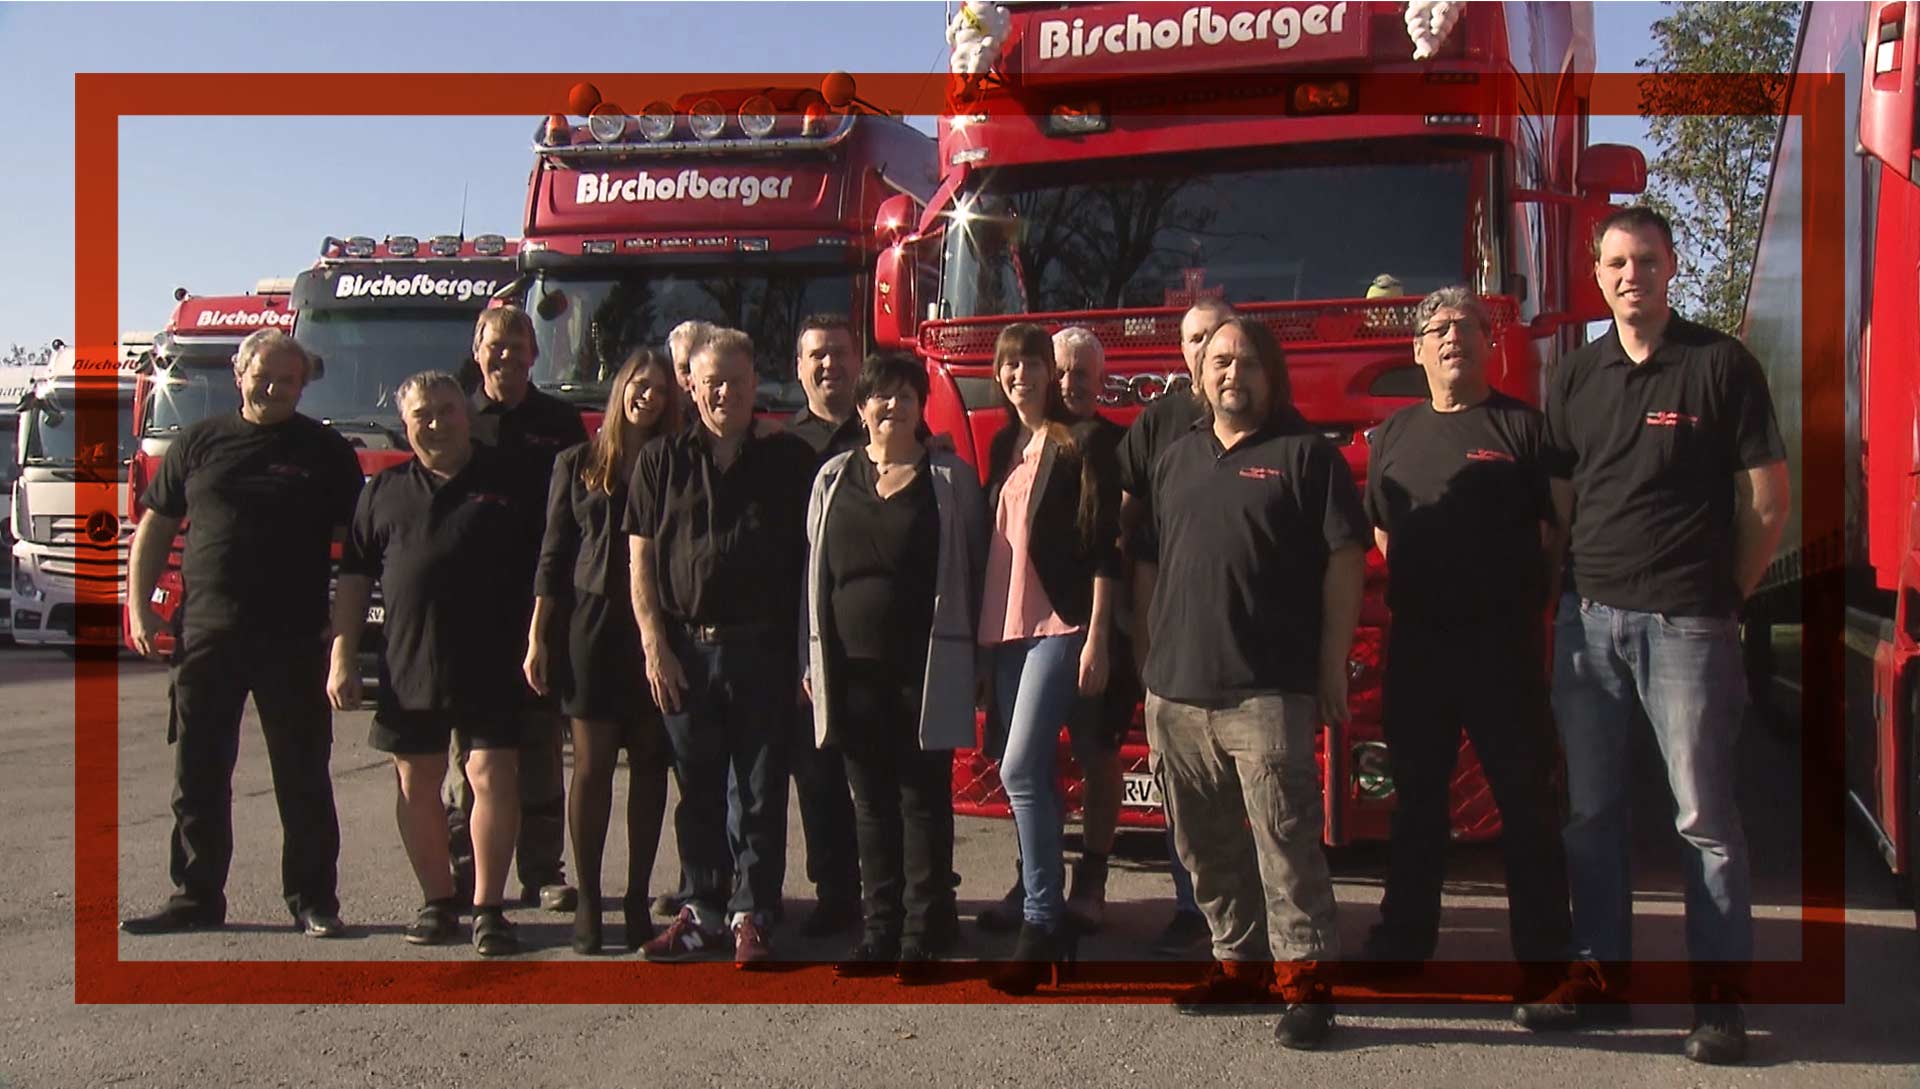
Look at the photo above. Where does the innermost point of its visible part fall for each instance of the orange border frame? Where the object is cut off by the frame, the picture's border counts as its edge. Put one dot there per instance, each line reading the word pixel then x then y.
pixel 100 976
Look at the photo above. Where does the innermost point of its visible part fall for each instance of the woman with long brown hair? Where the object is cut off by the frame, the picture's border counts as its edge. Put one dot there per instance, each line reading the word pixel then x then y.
pixel 583 569
pixel 1053 566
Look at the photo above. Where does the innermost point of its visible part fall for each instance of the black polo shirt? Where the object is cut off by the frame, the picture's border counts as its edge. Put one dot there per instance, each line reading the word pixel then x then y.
pixel 1244 538
pixel 1461 496
pixel 1652 450
pixel 455 559
pixel 731 545
pixel 541 426
pixel 262 505
pixel 1164 420
pixel 826 437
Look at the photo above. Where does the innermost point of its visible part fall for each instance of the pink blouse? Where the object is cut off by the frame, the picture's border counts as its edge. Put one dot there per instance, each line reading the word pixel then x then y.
pixel 1014 605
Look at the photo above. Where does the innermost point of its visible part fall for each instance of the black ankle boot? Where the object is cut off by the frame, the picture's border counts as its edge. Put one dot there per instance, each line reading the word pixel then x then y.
pixel 639 927
pixel 586 923
pixel 1087 903
pixel 1005 917
pixel 1039 955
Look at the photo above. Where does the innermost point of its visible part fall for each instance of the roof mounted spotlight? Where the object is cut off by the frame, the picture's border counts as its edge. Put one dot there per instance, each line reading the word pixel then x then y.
pixel 757 116
pixel 656 121
pixel 444 245
pixel 402 245
pixel 707 118
pixel 608 123
pixel 361 246
pixel 556 131
pixel 489 245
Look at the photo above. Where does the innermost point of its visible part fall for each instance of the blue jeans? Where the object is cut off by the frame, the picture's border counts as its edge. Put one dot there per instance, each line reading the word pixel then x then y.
pixel 730 742
pixel 1686 672
pixel 1035 682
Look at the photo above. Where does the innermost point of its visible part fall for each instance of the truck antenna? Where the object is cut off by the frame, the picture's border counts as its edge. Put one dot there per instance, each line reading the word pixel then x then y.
pixel 464 186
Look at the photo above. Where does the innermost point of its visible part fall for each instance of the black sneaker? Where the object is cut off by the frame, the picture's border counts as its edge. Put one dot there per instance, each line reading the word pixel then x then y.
pixel 174 919
pixel 1305 1025
pixel 493 934
pixel 1185 937
pixel 437 923
pixel 832 915
pixel 1719 1036
pixel 321 924
pixel 873 957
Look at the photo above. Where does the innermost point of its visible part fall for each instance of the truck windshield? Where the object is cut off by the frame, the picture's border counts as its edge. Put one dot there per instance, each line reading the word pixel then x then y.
pixel 52 422
pixel 189 385
pixel 366 354
pixel 1100 239
pixel 587 325
pixel 9 454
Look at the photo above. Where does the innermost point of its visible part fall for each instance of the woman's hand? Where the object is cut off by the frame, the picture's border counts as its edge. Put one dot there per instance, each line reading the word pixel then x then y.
pixel 535 667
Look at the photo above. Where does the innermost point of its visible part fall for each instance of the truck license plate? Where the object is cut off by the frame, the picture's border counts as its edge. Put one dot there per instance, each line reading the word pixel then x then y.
pixel 1140 791
pixel 376 614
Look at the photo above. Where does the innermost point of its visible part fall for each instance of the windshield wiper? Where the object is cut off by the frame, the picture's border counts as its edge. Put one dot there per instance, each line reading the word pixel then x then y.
pixel 397 439
pixel 65 466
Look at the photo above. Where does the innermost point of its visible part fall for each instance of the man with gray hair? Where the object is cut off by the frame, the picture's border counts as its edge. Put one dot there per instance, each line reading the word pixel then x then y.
pixel 266 490
pixel 1458 486
pixel 454 537
pixel 680 346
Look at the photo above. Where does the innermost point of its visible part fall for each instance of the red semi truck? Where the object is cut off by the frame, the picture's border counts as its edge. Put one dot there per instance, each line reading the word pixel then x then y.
pixel 1863 402
pixel 750 208
pixel 186 376
pixel 1090 182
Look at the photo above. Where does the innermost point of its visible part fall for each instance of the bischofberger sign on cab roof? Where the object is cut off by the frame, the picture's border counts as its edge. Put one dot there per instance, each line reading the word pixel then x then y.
pixel 1115 39
pixel 467 284
pixel 243 319
pixel 746 190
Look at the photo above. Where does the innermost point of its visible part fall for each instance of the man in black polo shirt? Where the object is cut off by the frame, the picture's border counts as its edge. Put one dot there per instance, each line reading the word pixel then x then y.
pixel 512 415
pixel 454 538
pixel 1668 458
pixel 267 490
pixel 1259 540
pixel 1166 418
pixel 717 521
pixel 1457 492
pixel 827 362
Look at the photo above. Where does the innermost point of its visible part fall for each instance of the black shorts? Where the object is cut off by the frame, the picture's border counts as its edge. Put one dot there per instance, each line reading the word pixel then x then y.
pixel 423 733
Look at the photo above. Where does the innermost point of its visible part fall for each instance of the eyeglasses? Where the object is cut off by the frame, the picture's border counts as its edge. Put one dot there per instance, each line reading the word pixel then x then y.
pixel 1440 328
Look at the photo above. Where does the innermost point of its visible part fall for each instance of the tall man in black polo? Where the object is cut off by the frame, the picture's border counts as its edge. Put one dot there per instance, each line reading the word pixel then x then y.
pixel 1259 539
pixel 454 538
pixel 1457 492
pixel 513 415
pixel 1670 463
pixel 827 362
pixel 266 489
pixel 1165 419
pixel 717 521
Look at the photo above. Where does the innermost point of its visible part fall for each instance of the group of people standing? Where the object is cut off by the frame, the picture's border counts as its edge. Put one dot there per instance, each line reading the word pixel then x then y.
pixel 826 603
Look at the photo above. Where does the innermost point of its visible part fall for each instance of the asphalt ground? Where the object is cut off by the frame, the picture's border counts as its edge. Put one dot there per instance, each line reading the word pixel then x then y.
pixel 541 1020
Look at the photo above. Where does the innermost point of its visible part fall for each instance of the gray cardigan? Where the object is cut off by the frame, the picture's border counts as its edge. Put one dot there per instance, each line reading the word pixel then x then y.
pixel 946 705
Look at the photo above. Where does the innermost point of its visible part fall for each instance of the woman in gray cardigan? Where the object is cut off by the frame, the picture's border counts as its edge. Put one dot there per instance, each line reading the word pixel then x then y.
pixel 896 543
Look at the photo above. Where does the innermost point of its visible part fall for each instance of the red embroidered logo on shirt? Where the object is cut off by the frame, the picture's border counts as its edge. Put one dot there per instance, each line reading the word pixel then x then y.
pixel 1489 455
pixel 1671 419
pixel 1261 472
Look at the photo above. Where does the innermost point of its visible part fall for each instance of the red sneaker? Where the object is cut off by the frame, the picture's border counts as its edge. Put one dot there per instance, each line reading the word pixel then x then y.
pixel 682 940
pixel 750 948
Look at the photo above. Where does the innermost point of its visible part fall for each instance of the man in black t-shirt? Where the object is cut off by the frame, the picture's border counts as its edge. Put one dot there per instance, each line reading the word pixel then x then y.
pixel 1670 467
pixel 453 537
pixel 1457 493
pixel 1260 556
pixel 1165 419
pixel 267 490
pixel 513 416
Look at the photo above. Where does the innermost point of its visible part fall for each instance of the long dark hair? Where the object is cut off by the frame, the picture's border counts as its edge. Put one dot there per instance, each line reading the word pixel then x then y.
pixel 617 438
pixel 1025 339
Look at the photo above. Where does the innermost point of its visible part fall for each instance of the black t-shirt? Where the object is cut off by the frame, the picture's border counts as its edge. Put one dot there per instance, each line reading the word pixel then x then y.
pixel 826 437
pixel 455 559
pixel 881 558
pixel 1652 450
pixel 1461 496
pixel 540 426
pixel 731 545
pixel 1244 538
pixel 262 505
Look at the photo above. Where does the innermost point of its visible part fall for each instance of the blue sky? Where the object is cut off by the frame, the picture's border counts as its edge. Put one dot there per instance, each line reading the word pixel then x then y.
pixel 214 204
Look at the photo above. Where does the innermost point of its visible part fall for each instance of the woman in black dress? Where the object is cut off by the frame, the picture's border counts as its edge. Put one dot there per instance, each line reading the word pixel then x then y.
pixel 896 537
pixel 583 570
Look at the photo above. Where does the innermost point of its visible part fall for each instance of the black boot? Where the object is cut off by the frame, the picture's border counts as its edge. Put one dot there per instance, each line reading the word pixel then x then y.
pixel 1039 956
pixel 1005 917
pixel 1087 903
pixel 639 927
pixel 586 923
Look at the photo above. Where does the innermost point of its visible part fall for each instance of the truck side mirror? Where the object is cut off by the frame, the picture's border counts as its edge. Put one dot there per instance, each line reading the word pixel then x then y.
pixel 894 220
pixel 893 305
pixel 1887 87
pixel 1611 168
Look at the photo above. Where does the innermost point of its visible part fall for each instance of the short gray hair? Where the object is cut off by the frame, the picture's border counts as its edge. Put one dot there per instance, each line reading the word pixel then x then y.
pixel 716 340
pixel 1078 337
pixel 684 336
pixel 1454 297
pixel 266 343
pixel 425 382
